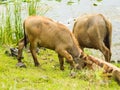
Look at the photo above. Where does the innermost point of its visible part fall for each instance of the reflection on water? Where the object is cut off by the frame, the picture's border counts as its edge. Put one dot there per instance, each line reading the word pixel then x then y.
pixel 64 13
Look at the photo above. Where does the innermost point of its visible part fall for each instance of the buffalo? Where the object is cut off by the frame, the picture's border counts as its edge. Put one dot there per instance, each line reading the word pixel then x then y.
pixel 94 31
pixel 41 31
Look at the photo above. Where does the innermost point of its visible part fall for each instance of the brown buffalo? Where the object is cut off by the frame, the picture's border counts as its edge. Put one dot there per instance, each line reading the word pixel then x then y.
pixel 94 31
pixel 44 32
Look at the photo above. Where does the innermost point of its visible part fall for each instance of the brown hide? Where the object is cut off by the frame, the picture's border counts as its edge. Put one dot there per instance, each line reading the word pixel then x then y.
pixel 44 32
pixel 94 31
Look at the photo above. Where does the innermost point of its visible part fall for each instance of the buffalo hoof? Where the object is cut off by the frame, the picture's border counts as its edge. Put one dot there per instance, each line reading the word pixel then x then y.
pixel 20 64
pixel 67 61
pixel 62 68
pixel 37 64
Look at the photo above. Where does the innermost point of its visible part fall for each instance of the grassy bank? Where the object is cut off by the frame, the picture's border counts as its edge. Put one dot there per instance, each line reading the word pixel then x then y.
pixel 48 76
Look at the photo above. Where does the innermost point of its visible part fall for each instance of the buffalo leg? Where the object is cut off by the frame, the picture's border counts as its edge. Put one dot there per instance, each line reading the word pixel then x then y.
pixel 61 60
pixel 106 52
pixel 20 49
pixel 33 52
pixel 65 54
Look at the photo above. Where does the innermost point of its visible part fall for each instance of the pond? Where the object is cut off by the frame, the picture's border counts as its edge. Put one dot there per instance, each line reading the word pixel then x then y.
pixel 65 13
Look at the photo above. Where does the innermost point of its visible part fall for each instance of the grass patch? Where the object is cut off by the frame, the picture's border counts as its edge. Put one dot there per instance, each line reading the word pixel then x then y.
pixel 12 17
pixel 48 76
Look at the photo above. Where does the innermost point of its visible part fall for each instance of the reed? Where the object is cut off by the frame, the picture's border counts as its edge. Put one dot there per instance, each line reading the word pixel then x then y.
pixel 17 21
pixel 6 26
pixel 32 5
pixel 11 29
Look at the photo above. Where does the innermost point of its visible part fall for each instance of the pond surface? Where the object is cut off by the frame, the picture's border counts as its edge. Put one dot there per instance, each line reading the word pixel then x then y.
pixel 66 14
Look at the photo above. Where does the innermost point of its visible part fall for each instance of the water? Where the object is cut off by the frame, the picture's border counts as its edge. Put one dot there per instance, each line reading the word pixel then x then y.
pixel 66 14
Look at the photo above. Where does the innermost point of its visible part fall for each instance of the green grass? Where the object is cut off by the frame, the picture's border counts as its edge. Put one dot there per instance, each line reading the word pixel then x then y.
pixel 49 76
pixel 11 25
